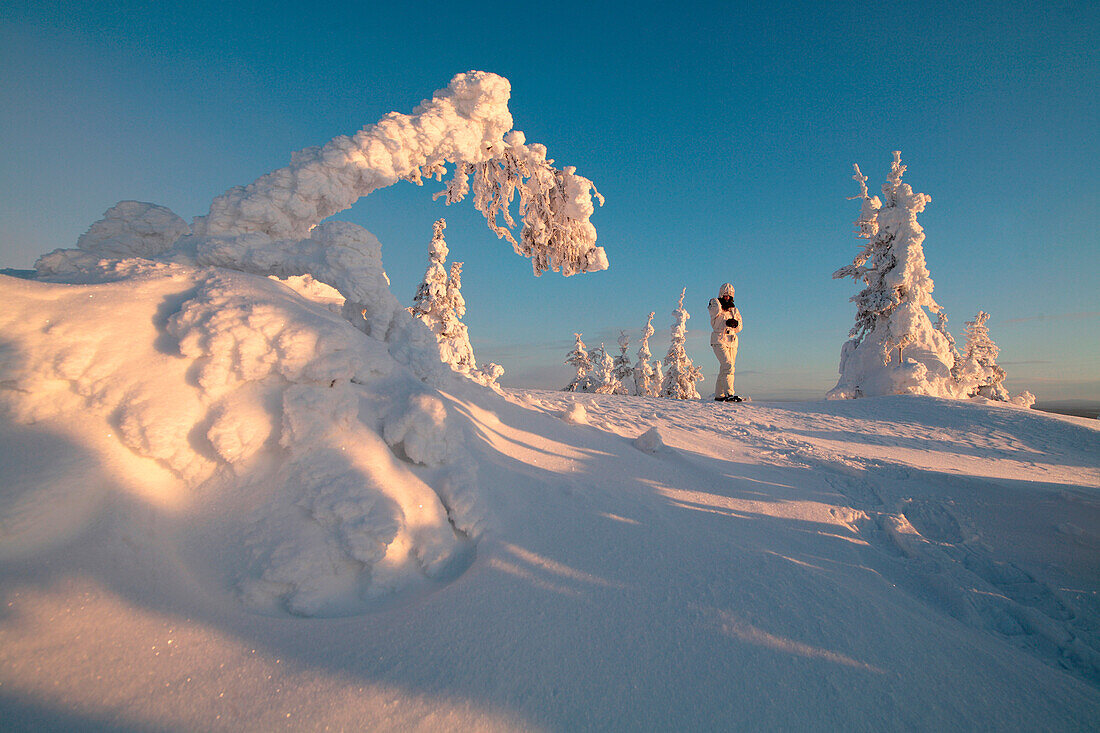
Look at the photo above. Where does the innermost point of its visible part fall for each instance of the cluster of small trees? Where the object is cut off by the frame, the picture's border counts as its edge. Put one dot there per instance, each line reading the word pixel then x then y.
pixel 600 372
pixel 893 347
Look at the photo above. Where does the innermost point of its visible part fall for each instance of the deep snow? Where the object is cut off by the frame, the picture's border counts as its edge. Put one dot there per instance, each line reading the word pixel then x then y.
pixel 200 529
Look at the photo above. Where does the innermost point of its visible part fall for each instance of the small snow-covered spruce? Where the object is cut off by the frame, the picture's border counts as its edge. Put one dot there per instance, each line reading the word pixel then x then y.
pixel 439 304
pixel 645 383
pixel 658 377
pixel 603 372
pixel 623 370
pixel 893 347
pixel 980 374
pixel 680 373
pixel 431 295
pixel 578 358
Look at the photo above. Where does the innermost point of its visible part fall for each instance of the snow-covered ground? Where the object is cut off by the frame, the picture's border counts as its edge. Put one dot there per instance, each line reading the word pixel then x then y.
pixel 223 507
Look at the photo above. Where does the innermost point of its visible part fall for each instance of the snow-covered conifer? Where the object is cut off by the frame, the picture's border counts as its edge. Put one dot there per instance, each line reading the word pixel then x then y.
pixel 680 373
pixel 953 350
pixel 623 370
pixel 893 348
pixel 645 382
pixel 603 371
pixel 431 296
pixel 440 306
pixel 579 359
pixel 980 374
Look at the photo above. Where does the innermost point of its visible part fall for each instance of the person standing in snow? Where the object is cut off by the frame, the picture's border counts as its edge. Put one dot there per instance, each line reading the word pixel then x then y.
pixel 725 323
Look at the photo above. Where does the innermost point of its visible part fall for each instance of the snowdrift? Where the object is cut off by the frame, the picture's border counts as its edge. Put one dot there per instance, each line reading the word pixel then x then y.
pixel 225 507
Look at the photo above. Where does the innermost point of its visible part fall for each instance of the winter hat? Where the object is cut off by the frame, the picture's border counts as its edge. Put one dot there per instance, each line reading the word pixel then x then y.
pixel 725 290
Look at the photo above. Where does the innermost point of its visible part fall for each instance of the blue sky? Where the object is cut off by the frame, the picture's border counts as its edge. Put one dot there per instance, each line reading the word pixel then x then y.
pixel 722 136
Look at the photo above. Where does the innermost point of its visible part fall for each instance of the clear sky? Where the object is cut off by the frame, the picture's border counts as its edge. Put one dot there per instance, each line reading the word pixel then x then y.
pixel 721 135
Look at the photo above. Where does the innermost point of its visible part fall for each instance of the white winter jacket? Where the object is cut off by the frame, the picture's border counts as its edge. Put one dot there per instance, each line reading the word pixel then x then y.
pixel 720 332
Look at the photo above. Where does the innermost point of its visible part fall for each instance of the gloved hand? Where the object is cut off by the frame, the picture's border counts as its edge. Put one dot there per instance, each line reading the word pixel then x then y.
pixel 732 322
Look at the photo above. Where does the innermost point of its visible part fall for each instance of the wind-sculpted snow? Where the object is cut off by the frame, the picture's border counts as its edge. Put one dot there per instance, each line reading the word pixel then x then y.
pixel 133 229
pixel 227 383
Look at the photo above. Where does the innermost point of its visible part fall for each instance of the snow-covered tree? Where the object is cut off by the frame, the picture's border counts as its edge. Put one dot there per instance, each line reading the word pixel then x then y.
pixel 623 370
pixel 603 372
pixel 645 382
pixel 579 359
pixel 980 374
pixel 953 350
pixel 680 373
pixel 439 304
pixel 658 377
pixel 431 296
pixel 893 348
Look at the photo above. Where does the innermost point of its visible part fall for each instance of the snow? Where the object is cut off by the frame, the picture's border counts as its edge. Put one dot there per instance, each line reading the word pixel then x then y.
pixel 224 507
pixel 240 490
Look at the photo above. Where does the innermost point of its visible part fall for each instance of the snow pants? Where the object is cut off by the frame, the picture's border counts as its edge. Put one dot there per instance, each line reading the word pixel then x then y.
pixel 727 355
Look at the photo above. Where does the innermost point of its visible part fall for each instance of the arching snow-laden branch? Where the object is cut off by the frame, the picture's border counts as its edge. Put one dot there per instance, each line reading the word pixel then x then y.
pixel 463 124
pixel 555 205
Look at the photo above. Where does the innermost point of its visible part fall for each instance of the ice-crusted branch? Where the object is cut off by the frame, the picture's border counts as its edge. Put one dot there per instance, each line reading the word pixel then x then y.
pixel 555 205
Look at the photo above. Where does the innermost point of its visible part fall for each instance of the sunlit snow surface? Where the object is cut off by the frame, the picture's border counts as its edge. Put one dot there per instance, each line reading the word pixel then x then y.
pixel 223 507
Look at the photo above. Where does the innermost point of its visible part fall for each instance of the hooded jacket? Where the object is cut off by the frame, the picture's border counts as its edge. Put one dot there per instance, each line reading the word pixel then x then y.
pixel 721 333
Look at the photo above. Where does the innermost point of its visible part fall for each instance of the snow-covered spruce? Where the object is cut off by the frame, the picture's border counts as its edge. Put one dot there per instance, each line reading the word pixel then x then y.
pixel 680 373
pixel 624 372
pixel 603 372
pixel 893 349
pixel 580 360
pixel 979 374
pixel 646 381
pixel 439 305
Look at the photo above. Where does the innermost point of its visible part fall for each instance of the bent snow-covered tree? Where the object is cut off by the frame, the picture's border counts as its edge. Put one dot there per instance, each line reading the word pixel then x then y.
pixel 893 349
pixel 350 404
pixel 276 224
pixel 680 373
